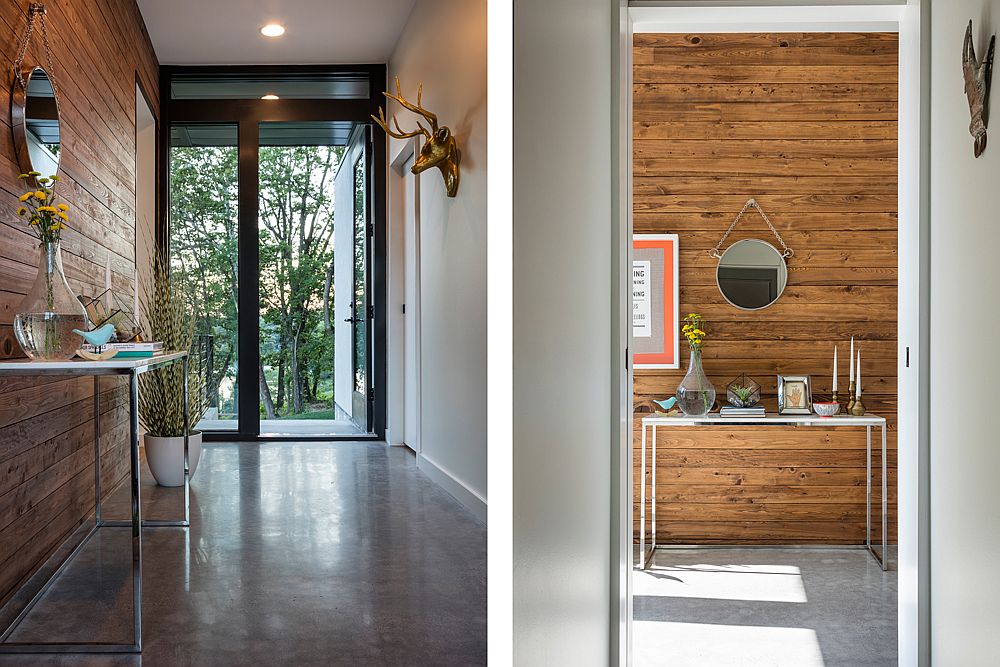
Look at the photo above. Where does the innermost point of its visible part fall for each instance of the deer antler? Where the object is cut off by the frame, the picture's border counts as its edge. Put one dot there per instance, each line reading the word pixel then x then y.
pixel 415 108
pixel 399 134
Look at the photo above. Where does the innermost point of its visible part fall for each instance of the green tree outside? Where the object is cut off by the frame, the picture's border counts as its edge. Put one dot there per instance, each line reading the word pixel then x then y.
pixel 295 236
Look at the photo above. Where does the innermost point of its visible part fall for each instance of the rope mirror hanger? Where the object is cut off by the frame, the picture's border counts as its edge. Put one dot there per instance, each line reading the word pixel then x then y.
pixel 751 203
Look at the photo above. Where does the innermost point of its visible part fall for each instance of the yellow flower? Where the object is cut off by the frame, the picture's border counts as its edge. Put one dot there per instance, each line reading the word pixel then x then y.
pixel 22 211
pixel 34 221
pixel 26 196
pixel 47 209
pixel 40 195
pixel 63 216
pixel 23 176
pixel 55 227
pixel 53 178
pixel 63 207
pixel 34 173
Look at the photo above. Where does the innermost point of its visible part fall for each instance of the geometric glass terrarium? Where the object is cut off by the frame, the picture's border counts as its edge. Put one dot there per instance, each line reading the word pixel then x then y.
pixel 743 392
pixel 120 314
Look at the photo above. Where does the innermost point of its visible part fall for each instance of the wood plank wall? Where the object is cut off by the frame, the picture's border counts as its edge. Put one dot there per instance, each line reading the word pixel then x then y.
pixel 806 123
pixel 46 425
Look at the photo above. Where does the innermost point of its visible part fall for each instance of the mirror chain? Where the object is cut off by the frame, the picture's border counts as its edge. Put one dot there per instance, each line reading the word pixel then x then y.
pixel 39 9
pixel 786 251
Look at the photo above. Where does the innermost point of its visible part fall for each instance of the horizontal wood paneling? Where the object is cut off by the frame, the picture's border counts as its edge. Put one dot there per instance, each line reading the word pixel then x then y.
pixel 807 124
pixel 46 424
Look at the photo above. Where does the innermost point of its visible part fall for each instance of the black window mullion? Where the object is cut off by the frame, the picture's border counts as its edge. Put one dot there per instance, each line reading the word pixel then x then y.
pixel 248 318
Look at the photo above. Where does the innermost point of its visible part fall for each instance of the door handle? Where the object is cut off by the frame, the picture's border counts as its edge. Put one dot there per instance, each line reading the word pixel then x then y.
pixel 353 319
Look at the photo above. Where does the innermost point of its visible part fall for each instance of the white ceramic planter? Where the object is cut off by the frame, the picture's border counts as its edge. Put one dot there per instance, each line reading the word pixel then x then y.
pixel 165 457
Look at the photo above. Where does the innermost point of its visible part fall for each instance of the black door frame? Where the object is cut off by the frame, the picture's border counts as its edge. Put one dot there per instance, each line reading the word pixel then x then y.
pixel 247 114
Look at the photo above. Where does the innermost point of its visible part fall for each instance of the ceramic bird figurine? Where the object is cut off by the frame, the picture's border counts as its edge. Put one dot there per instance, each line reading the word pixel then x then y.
pixel 977 88
pixel 666 403
pixel 99 337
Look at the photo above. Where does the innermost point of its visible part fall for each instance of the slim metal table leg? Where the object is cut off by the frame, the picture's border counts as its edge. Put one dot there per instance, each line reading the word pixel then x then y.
pixel 187 468
pixel 868 491
pixel 133 382
pixel 653 507
pixel 885 503
pixel 97 449
pixel 642 501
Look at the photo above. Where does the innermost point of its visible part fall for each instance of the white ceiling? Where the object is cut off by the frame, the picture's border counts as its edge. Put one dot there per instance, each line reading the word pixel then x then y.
pixel 227 32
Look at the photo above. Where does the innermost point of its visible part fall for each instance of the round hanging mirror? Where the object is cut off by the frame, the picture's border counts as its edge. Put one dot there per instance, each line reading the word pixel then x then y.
pixel 751 274
pixel 34 117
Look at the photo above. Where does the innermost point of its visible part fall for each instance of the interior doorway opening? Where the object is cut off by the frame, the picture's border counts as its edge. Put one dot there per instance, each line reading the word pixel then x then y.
pixel 685 199
pixel 404 297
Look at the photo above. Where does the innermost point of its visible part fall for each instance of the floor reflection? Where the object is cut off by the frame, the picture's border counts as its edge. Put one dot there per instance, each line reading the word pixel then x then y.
pixel 300 553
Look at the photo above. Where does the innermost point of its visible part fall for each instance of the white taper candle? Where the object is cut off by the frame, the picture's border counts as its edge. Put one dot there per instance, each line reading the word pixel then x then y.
pixel 850 361
pixel 107 284
pixel 857 379
pixel 135 297
pixel 835 368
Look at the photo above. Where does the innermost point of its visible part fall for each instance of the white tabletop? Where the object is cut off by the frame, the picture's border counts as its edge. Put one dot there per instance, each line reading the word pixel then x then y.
pixel 766 420
pixel 85 367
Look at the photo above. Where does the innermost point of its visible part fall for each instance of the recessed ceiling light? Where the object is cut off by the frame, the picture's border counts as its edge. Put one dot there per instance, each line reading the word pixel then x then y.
pixel 273 30
pixel 269 96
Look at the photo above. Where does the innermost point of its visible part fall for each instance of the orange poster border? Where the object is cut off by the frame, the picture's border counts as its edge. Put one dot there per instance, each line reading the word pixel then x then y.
pixel 669 357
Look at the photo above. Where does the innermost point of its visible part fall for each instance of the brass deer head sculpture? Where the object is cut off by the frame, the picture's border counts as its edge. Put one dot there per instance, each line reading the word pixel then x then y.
pixel 439 150
pixel 977 87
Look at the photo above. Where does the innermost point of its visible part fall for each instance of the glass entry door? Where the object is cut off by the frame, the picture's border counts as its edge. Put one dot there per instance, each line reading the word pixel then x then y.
pixel 298 163
pixel 354 311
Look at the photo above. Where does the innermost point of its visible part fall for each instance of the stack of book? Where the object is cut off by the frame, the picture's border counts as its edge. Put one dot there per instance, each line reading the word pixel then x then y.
pixel 731 411
pixel 131 350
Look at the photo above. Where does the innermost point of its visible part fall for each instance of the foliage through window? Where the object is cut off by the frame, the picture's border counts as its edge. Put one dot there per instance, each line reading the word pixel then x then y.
pixel 295 229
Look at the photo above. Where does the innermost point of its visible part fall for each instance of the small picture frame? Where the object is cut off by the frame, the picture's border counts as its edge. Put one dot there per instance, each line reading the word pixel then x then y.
pixel 794 395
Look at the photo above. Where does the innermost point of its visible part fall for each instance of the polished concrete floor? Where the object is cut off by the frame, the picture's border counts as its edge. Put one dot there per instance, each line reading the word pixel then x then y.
pixel 299 554
pixel 757 607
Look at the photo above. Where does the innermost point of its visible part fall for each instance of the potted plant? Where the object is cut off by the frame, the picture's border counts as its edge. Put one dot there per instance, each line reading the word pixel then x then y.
pixel 161 392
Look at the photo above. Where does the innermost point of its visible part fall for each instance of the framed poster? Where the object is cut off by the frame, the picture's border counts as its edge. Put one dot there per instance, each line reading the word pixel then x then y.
pixel 655 301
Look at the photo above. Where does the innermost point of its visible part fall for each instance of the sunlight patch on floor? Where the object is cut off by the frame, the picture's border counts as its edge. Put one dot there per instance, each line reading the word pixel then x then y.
pixel 701 644
pixel 761 583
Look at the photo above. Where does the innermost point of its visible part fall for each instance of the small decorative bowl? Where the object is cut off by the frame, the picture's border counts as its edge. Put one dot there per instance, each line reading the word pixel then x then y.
pixel 826 409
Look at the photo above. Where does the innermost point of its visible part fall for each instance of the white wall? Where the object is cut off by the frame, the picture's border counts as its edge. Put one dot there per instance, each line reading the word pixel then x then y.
pixel 965 363
pixel 145 186
pixel 444 46
pixel 562 465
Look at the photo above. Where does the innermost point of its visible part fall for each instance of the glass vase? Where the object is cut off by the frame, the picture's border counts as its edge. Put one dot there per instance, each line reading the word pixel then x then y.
pixel 695 394
pixel 50 311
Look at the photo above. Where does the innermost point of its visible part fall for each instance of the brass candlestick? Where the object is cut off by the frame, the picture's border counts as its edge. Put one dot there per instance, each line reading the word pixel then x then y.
pixel 848 409
pixel 858 409
pixel 833 398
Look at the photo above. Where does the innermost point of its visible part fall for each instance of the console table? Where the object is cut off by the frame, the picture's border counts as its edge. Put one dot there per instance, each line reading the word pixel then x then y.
pixel 837 421
pixel 131 368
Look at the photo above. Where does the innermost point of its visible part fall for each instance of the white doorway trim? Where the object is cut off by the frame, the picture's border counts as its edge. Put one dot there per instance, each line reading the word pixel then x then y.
pixel 905 17
pixel 404 269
